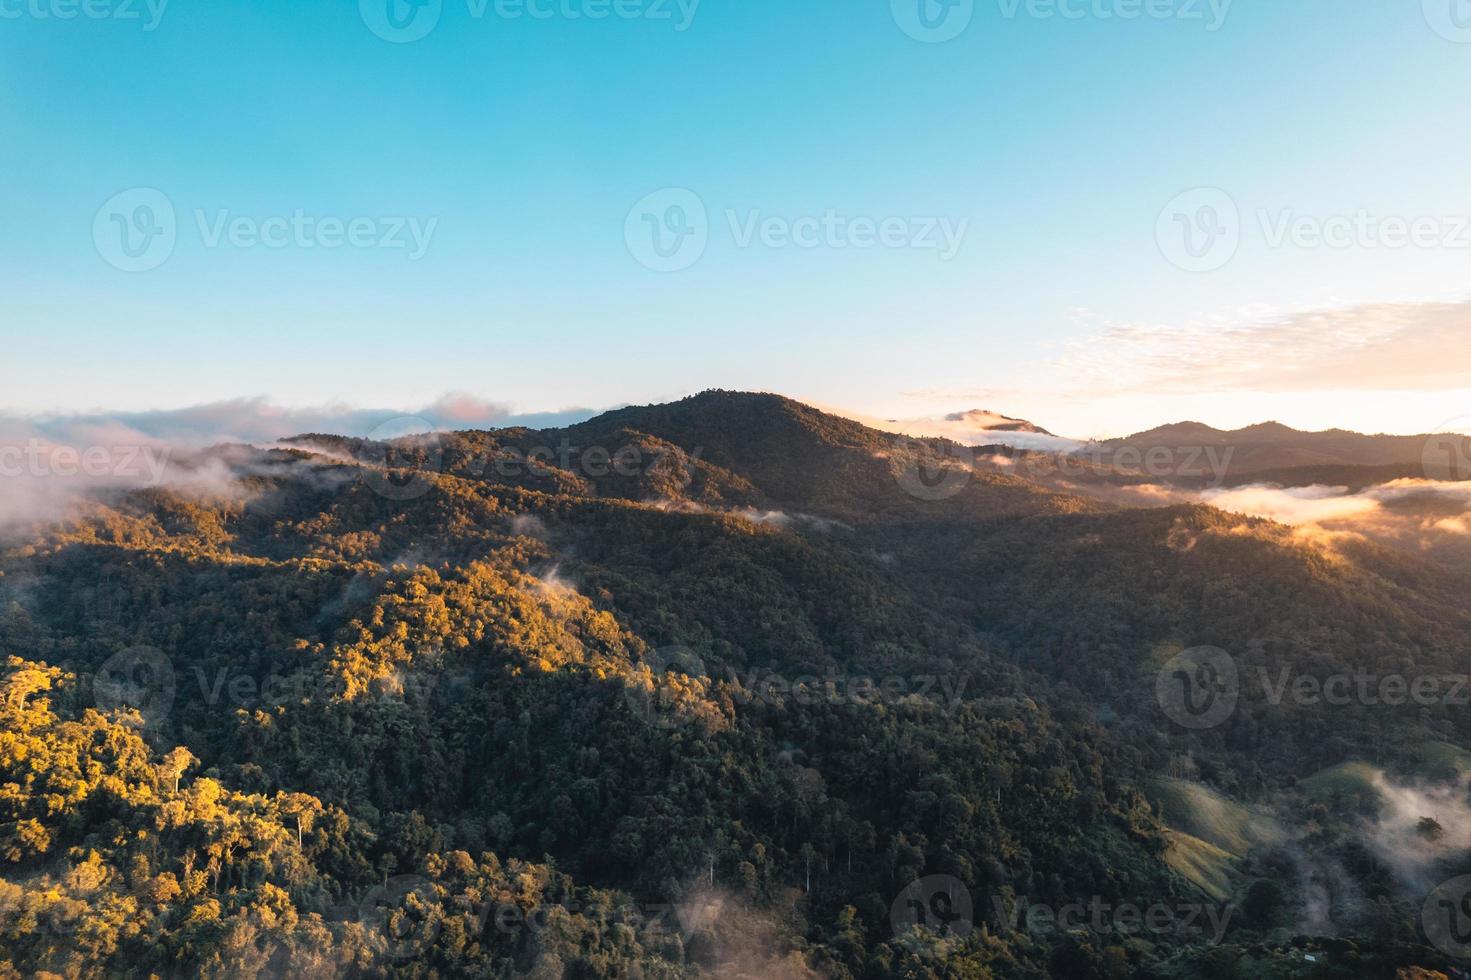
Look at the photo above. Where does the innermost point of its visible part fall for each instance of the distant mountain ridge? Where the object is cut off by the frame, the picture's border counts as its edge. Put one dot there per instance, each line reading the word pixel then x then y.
pixel 740 447
pixel 1274 446
pixel 1267 451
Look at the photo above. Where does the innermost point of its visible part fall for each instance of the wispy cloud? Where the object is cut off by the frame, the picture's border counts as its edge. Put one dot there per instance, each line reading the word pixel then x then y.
pixel 1311 369
pixel 1419 515
pixel 1294 505
pixel 1378 347
pixel 1318 504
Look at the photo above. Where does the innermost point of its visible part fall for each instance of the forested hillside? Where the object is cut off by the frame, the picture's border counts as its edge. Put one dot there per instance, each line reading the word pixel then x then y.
pixel 710 689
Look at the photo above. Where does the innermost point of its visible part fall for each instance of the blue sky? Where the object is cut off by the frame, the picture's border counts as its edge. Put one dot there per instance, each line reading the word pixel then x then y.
pixel 519 145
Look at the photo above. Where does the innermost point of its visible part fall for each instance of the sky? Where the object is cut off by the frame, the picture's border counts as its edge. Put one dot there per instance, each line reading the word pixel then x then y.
pixel 1100 215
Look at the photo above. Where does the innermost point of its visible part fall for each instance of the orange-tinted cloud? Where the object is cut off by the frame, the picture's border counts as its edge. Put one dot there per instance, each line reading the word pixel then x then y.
pixel 1386 346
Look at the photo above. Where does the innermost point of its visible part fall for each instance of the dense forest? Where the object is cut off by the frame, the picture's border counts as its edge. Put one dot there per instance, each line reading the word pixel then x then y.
pixel 722 688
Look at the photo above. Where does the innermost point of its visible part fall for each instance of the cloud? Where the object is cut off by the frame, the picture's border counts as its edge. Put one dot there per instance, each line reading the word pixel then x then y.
pixel 1374 347
pixel 49 463
pixel 973 428
pixel 781 519
pixel 1293 505
pixel 1395 835
pixel 1320 504
pixel 258 420
pixel 1419 515
pixel 1407 489
pixel 1453 525
pixel 43 480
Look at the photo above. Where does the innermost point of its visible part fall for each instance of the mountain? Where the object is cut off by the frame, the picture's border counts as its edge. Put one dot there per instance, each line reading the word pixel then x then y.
pixel 982 428
pixel 984 421
pixel 1195 455
pixel 728 687
pixel 767 451
pixel 1271 446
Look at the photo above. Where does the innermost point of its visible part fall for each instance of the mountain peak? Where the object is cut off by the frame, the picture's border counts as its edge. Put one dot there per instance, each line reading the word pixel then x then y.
pixel 1269 429
pixel 988 421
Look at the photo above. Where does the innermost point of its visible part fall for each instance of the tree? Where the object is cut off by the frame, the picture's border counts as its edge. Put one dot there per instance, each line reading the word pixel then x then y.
pixel 305 808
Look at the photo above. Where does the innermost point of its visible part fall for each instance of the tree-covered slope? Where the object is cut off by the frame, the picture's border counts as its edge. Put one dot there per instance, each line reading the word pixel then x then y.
pixel 360 709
